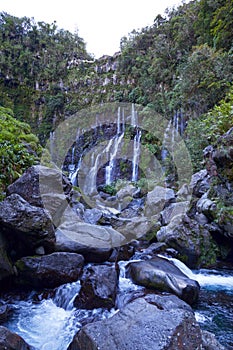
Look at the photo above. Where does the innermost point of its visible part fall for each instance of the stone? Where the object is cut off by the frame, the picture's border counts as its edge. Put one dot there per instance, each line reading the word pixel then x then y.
pixel 92 216
pixel 162 275
pixel 206 206
pixel 98 288
pixel 12 341
pixel 66 244
pixel 6 269
pixel 174 210
pixel 141 325
pixel 5 311
pixel 157 199
pixel 92 236
pixel 26 224
pixel 49 271
pixel 210 342
pixel 193 242
pixel 44 187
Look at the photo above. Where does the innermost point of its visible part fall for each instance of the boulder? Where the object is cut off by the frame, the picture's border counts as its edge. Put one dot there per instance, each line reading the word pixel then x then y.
pixel 210 342
pixel 193 241
pixel 44 187
pixel 12 341
pixel 28 185
pixel 162 275
pixel 49 271
pixel 92 236
pixel 174 210
pixel 141 326
pixel 92 216
pixel 157 199
pixel 98 288
pixel 65 243
pixel 25 224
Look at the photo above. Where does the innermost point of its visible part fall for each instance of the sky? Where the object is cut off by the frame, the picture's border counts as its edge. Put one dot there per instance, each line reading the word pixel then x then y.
pixel 101 23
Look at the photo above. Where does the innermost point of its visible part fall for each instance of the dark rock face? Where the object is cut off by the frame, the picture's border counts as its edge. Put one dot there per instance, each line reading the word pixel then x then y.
pixel 162 275
pixel 12 341
pixel 6 269
pixel 49 271
pixel 27 224
pixel 193 241
pixel 141 326
pixel 98 288
pixel 5 311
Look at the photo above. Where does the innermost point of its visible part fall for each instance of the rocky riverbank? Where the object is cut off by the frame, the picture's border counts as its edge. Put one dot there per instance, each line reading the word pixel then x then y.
pixel 43 249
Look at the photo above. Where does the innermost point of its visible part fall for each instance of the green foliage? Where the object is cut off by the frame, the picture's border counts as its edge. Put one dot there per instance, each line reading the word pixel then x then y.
pixel 208 128
pixel 18 147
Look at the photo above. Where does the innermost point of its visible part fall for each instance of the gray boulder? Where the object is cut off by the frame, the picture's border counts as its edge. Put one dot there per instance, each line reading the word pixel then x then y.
pixel 193 242
pixel 49 271
pixel 27 224
pixel 141 326
pixel 156 200
pixel 162 275
pixel 65 243
pixel 98 288
pixel 12 341
pixel 44 187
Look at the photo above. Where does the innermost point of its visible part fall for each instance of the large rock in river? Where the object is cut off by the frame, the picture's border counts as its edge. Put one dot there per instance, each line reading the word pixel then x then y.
pixel 141 326
pixel 49 271
pixel 163 275
pixel 12 341
pixel 25 224
pixel 98 288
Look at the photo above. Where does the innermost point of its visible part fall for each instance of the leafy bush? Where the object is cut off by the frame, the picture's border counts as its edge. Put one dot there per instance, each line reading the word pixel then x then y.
pixel 208 128
pixel 19 148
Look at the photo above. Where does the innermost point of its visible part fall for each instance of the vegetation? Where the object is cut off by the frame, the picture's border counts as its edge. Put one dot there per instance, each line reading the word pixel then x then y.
pixel 182 62
pixel 19 148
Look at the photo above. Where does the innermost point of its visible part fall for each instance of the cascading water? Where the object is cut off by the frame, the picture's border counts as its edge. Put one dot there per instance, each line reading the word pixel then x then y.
pixel 51 324
pixel 214 309
pixel 136 154
pixel 113 148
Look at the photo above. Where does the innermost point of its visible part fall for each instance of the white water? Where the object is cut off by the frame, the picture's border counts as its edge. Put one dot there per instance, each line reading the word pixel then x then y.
pixel 206 278
pixel 113 148
pixel 136 154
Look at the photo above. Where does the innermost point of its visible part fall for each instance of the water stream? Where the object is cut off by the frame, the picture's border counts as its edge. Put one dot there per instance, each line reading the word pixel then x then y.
pixel 50 324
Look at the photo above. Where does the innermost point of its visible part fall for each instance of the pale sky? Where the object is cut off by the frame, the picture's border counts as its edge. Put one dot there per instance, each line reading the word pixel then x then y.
pixel 101 23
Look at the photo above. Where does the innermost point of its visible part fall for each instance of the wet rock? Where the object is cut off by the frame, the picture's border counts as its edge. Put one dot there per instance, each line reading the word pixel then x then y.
pixel 98 288
pixel 12 341
pixel 162 275
pixel 66 244
pixel 27 224
pixel 49 271
pixel 210 342
pixel 193 241
pixel 5 312
pixel 200 183
pixel 6 269
pixel 141 325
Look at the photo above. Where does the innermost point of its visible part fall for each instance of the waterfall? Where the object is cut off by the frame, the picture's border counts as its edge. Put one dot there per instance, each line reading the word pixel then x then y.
pixel 73 175
pixel 72 165
pixel 166 141
pixel 51 143
pixel 113 148
pixel 90 181
pixel 136 154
